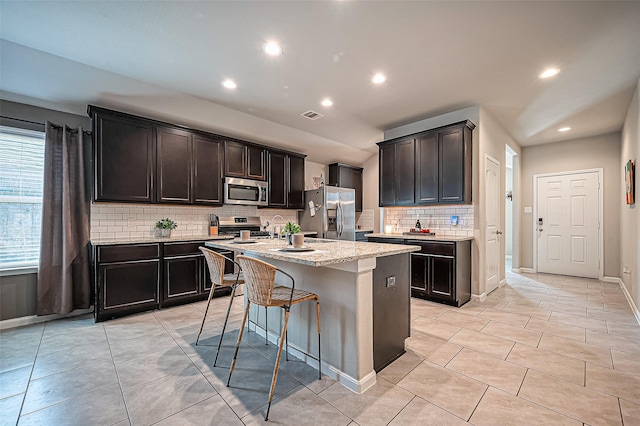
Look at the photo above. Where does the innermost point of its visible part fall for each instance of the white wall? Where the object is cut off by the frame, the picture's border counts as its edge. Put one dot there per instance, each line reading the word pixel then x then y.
pixel 508 213
pixel 312 170
pixel 578 154
pixel 370 189
pixel 492 140
pixel 630 214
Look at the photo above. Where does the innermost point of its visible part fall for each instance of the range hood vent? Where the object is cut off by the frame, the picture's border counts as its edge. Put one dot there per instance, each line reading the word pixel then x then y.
pixel 312 115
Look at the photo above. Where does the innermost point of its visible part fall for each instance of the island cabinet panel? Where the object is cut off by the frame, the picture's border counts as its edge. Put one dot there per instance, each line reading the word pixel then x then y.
pixel 207 171
pixel 347 176
pixel 391 314
pixel 124 164
pixel 244 160
pixel 436 170
pixel 174 160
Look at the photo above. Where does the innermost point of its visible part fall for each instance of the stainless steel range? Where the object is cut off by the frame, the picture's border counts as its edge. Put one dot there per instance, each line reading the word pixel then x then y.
pixel 232 225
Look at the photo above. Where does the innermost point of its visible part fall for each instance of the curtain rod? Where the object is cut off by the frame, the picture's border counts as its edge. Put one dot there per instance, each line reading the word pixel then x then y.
pixel 24 121
pixel 38 123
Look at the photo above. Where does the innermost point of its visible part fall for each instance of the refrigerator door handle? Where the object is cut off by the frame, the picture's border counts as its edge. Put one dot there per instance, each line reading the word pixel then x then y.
pixel 339 219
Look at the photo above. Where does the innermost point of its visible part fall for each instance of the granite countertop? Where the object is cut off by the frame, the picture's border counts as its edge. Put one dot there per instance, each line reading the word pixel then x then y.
pixel 153 239
pixel 326 252
pixel 421 237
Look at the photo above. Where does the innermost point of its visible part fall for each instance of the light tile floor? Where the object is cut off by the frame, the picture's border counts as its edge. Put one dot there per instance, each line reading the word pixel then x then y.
pixel 542 349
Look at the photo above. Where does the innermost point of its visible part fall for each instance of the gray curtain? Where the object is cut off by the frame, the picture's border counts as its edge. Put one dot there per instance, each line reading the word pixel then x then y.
pixel 64 282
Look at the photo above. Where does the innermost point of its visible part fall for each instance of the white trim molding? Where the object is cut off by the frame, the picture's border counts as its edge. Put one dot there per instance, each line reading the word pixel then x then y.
pixel 528 270
pixel 35 319
pixel 502 282
pixel 479 297
pixel 632 304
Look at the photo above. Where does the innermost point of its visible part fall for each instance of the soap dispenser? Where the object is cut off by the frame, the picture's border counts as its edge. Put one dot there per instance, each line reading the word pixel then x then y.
pixel 418 226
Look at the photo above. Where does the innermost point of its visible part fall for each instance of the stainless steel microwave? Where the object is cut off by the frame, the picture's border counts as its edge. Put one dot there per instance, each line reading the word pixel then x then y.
pixel 245 191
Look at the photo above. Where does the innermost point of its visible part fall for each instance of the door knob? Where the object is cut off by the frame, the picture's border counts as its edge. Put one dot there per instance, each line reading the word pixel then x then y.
pixel 540 229
pixel 499 232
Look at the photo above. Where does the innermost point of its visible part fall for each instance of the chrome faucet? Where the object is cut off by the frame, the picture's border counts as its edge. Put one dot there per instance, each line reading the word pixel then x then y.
pixel 273 227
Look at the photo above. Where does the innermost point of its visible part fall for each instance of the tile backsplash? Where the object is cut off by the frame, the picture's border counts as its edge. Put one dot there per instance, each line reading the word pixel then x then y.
pixel 436 218
pixel 364 220
pixel 123 220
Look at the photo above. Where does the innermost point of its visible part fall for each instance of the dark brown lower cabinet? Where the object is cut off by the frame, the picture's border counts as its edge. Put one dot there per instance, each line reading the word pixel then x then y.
pixel 133 278
pixel 441 271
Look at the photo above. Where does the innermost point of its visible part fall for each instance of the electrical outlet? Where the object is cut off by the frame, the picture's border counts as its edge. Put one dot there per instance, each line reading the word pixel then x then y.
pixel 391 281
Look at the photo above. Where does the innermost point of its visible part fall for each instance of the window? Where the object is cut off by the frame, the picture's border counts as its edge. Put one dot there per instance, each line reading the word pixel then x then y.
pixel 21 175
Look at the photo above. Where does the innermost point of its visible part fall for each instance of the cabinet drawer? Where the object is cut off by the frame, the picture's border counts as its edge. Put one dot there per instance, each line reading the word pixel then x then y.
pixel 125 253
pixel 439 248
pixel 179 249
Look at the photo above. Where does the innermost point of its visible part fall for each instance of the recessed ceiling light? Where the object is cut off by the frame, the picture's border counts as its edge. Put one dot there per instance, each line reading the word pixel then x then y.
pixel 326 102
pixel 549 73
pixel 379 78
pixel 229 84
pixel 272 48
pixel 564 129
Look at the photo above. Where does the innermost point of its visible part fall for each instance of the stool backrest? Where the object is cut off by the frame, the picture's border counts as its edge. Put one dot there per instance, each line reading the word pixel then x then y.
pixel 259 279
pixel 215 262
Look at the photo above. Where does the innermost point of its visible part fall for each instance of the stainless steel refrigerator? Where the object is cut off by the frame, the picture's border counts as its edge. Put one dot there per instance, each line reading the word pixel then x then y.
pixel 331 212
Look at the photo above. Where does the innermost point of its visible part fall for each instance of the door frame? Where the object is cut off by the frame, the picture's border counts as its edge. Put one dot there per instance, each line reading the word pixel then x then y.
pixel 534 228
pixel 501 281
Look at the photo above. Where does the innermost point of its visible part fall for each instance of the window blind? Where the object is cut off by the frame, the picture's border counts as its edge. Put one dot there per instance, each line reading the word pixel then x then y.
pixel 21 182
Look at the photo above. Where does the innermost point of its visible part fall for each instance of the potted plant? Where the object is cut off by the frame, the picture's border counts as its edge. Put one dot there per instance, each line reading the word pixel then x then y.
pixel 288 230
pixel 165 226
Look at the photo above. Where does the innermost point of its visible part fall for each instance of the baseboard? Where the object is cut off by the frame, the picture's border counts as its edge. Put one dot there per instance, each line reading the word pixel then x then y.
pixel 632 304
pixel 35 319
pixel 351 383
pixel 479 297
pixel 528 270
pixel 502 282
pixel 516 270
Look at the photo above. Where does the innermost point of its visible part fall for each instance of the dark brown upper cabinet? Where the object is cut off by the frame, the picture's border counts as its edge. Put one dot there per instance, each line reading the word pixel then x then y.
pixel 174 162
pixel 397 173
pixel 278 180
pixel 147 161
pixel 438 172
pixel 295 191
pixel 427 163
pixel 124 158
pixel 346 176
pixel 207 170
pixel 286 180
pixel 244 160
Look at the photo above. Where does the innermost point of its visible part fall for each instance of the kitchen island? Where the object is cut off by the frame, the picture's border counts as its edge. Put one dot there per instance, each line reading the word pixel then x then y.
pixel 364 299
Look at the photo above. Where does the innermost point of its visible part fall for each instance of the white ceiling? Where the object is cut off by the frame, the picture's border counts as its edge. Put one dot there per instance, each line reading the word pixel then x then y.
pixel 167 59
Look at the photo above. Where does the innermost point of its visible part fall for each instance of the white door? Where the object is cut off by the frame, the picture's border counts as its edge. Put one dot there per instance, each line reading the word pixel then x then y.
pixel 568 224
pixel 492 229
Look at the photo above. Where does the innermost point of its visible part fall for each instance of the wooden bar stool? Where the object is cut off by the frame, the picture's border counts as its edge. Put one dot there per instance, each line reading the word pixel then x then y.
pixel 260 289
pixel 216 262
